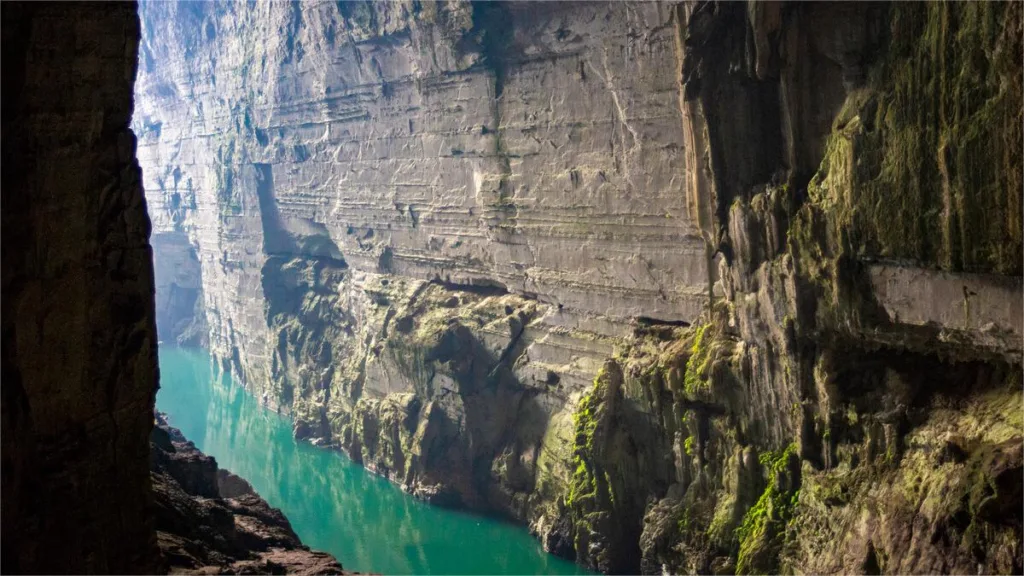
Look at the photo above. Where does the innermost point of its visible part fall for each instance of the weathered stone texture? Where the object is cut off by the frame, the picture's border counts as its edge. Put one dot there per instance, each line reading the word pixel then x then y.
pixel 210 521
pixel 180 314
pixel 397 149
pixel 79 335
pixel 853 405
pixel 327 160
pixel 79 340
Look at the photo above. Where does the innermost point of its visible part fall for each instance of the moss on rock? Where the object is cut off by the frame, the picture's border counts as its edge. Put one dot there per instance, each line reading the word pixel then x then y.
pixel 924 162
pixel 763 527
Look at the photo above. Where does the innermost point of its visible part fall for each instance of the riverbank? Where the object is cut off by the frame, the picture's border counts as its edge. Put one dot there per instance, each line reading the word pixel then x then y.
pixel 334 504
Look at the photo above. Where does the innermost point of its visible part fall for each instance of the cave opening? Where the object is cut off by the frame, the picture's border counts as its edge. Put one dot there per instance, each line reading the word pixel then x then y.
pixel 503 287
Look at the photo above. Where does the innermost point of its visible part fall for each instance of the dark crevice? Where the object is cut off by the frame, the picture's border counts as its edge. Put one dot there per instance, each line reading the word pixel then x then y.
pixel 494 36
pixel 479 286
pixel 291 236
pixel 647 321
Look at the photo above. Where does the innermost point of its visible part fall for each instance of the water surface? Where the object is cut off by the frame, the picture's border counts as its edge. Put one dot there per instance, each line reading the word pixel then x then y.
pixel 333 504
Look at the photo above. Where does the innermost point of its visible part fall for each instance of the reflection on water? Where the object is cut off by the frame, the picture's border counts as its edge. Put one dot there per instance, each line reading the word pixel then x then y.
pixel 333 504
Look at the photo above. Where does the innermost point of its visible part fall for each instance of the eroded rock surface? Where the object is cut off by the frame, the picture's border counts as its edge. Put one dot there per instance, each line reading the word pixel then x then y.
pixel 378 190
pixel 209 521
pixel 79 340
pixel 180 314
pixel 686 287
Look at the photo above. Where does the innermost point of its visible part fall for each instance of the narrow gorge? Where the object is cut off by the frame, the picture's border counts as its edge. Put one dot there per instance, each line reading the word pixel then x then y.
pixel 686 287
pixel 696 287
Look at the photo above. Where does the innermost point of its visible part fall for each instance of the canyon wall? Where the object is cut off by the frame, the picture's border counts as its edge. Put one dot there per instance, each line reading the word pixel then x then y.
pixel 180 314
pixel 79 339
pixel 704 287
pixel 374 173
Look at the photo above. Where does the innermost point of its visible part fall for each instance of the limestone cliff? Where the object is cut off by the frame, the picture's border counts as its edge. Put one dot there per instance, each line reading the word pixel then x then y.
pixel 356 178
pixel 687 287
pixel 180 314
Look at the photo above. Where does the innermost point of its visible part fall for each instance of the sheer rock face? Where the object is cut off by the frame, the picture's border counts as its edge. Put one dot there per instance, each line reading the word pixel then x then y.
pixel 79 341
pixel 853 404
pixel 410 141
pixel 180 314
pixel 327 160
pixel 422 230
pixel 534 148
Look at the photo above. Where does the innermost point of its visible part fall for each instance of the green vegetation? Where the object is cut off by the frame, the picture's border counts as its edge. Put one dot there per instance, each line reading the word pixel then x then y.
pixel 685 524
pixel 582 485
pixel 940 182
pixel 720 531
pixel 696 378
pixel 761 532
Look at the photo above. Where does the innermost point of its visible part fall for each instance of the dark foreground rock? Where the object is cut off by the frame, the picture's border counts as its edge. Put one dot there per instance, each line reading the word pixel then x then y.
pixel 210 521
pixel 78 354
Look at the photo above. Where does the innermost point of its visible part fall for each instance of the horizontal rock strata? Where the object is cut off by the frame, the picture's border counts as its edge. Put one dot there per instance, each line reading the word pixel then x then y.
pixel 686 287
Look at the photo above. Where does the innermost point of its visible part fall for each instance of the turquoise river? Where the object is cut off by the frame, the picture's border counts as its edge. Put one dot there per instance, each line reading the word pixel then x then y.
pixel 334 504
